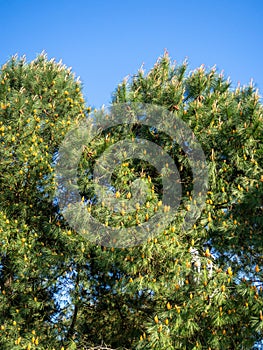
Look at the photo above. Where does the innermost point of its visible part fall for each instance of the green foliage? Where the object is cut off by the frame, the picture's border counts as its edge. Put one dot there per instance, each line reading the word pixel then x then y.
pixel 194 310
pixel 39 101
pixel 155 295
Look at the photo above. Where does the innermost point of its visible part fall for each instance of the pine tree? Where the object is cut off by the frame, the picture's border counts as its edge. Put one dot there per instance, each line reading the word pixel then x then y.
pixel 39 101
pixel 200 289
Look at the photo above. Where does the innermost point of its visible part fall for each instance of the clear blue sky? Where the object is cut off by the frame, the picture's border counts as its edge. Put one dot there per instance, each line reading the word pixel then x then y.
pixel 103 41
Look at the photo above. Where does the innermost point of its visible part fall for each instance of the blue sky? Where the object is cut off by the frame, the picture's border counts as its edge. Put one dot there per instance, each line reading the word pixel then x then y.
pixel 104 41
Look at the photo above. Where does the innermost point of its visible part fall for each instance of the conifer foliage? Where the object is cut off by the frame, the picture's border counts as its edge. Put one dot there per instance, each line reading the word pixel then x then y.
pixel 200 289
pixel 39 102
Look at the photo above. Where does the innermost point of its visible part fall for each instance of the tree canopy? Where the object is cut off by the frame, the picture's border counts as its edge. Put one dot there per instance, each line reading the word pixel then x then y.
pixel 199 288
